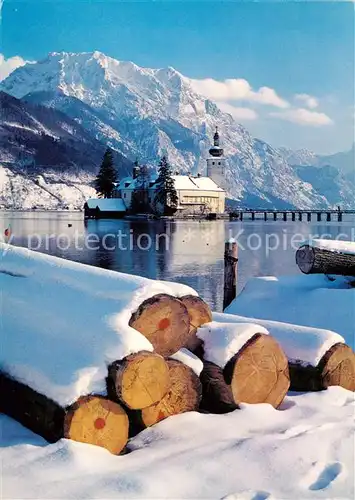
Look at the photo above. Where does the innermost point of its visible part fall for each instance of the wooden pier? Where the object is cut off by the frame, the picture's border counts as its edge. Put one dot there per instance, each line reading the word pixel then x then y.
pixel 285 215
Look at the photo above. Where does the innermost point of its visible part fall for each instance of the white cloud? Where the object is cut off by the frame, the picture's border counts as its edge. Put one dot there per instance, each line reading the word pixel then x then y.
pixel 238 113
pixel 303 116
pixel 237 89
pixel 308 100
pixel 7 66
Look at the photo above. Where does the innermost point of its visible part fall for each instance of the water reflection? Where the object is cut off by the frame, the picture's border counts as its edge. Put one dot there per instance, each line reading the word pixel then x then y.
pixel 189 252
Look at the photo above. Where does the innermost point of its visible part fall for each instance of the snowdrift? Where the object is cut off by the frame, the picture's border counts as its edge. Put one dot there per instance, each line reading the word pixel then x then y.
pixel 312 301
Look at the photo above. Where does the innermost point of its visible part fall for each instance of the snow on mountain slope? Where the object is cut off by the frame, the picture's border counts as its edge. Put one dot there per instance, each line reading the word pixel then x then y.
pixel 19 191
pixel 45 136
pixel 299 156
pixel 331 176
pixel 37 141
pixel 147 112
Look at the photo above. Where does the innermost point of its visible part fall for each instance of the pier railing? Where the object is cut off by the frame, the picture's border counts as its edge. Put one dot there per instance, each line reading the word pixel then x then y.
pixel 293 215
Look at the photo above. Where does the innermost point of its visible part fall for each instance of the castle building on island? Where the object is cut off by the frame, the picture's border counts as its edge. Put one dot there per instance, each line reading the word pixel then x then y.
pixel 196 194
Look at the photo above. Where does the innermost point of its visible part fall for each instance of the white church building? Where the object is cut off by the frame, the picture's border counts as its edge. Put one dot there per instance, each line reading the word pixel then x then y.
pixel 196 194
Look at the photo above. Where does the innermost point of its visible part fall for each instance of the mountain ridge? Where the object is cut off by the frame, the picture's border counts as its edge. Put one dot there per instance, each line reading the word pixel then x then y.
pixel 144 113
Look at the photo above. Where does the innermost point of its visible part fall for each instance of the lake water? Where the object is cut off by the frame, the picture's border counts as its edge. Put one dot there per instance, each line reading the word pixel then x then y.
pixel 189 252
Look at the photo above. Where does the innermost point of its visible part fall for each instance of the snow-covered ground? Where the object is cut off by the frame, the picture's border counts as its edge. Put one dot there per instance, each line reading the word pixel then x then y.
pixel 303 451
pixel 312 301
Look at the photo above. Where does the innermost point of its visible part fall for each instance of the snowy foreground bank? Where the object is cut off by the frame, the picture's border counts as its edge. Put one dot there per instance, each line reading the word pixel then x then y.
pixel 310 301
pixel 303 450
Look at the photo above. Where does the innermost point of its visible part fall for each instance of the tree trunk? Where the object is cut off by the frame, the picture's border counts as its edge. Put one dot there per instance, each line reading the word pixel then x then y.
pixel 199 314
pixel 184 395
pixel 92 419
pixel 317 261
pixel 164 320
pixel 258 373
pixel 139 380
pixel 337 367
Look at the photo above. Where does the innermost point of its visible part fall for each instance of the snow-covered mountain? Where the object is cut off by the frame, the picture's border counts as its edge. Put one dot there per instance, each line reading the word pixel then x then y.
pixel 299 156
pixel 47 159
pixel 344 161
pixel 148 112
pixel 331 176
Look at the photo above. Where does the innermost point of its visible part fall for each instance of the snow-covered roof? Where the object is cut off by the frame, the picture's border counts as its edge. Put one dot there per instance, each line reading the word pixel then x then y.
pixel 186 182
pixel 182 182
pixel 107 204
pixel 207 184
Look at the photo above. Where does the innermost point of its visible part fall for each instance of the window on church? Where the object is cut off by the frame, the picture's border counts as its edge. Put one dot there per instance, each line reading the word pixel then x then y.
pixel 213 163
pixel 219 163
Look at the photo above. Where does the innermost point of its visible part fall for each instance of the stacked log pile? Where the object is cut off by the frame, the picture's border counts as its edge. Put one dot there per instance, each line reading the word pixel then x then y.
pixel 147 387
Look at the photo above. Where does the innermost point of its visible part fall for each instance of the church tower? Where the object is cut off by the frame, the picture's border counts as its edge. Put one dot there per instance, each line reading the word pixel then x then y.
pixel 216 163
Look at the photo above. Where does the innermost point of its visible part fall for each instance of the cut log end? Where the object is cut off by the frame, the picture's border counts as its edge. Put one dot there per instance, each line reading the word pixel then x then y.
pixel 199 314
pixel 139 380
pixel 313 260
pixel 259 373
pixel 305 258
pixel 164 321
pixel 184 395
pixel 98 421
pixel 337 367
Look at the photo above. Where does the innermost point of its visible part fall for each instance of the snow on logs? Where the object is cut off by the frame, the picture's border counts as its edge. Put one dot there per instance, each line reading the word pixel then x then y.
pixel 86 349
pixel 242 364
pixel 327 257
pixel 337 367
pixel 317 358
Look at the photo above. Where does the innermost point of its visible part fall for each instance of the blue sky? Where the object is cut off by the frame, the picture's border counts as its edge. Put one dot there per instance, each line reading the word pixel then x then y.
pixel 303 52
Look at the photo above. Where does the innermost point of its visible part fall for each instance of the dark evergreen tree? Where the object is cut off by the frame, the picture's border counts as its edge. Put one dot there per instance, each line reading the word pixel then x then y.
pixel 140 195
pixel 166 195
pixel 107 176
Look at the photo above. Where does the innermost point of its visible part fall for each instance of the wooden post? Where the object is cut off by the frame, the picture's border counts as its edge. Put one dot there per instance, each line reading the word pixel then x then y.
pixel 340 216
pixel 230 272
pixel 265 216
pixel 285 216
pixel 241 216
pixel 275 215
pixel 300 216
pixel 329 216
pixel 309 217
pixel 319 216
pixel 293 216
pixel 253 216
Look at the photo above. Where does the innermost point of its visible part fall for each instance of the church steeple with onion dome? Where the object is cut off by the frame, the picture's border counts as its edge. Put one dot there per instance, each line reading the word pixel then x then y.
pixel 216 162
